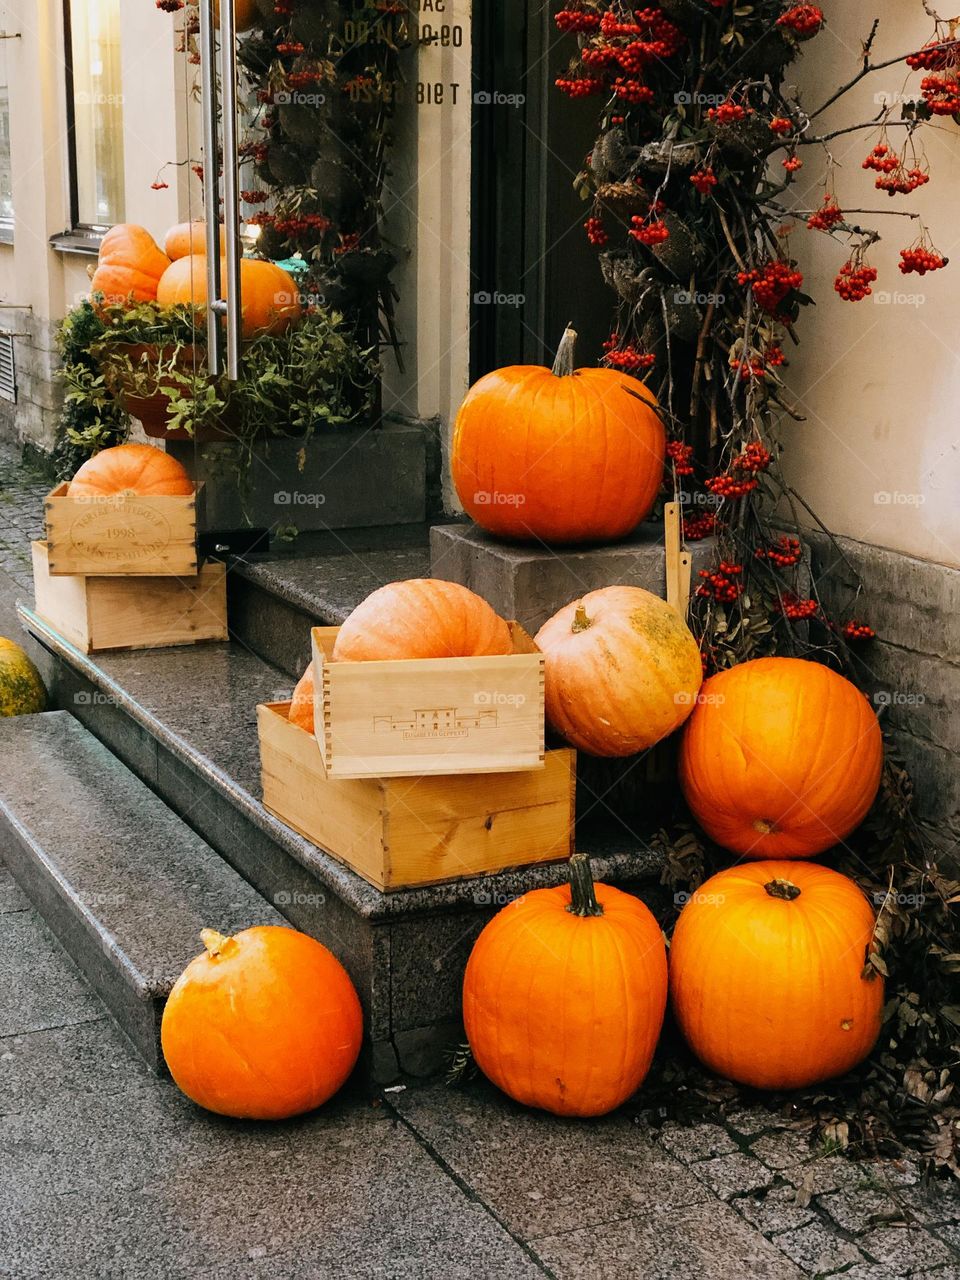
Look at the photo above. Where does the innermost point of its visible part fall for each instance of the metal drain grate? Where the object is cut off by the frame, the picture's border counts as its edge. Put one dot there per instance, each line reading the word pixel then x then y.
pixel 8 368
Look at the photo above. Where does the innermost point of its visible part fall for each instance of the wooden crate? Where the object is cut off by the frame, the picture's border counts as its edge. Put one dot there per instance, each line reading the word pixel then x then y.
pixel 429 715
pixel 400 832
pixel 96 612
pixel 122 536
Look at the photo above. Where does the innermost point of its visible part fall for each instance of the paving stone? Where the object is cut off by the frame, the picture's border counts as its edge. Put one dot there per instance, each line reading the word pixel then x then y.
pixel 817 1249
pixel 704 1240
pixel 823 1174
pixel 860 1210
pixel 752 1120
pixel 695 1142
pixel 774 1211
pixel 542 1175
pixel 909 1250
pixel 39 986
pixel 730 1175
pixel 782 1149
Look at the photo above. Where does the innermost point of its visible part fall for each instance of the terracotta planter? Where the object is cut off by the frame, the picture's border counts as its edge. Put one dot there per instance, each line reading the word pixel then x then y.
pixel 152 410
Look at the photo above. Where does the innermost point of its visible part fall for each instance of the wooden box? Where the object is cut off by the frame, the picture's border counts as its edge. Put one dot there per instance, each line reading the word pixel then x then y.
pixel 96 613
pixel 126 535
pixel 429 715
pixel 401 832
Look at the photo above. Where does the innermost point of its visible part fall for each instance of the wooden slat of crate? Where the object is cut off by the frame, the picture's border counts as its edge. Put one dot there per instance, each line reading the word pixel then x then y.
pixel 124 536
pixel 97 613
pixel 431 715
pixel 402 832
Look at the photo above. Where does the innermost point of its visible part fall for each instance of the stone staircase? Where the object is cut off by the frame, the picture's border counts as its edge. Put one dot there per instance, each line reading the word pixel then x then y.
pixel 131 817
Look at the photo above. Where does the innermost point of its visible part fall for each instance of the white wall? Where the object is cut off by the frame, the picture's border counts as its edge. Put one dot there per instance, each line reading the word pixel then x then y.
pixel 879 381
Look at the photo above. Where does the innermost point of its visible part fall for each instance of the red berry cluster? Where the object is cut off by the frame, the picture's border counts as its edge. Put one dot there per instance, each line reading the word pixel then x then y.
pixel 781 125
pixel 628 357
pixel 792 164
pixel 784 553
pixel 936 55
pixel 882 159
pixel 696 528
pixel 827 216
pixel 902 181
pixel 255 197
pixel 731 486
pixel 796 609
pixel 159 186
pixel 729 112
pixel 170 6
pixel 287 47
pixel 577 20
pixel 772 283
pixel 632 91
pixel 856 630
pixel 748 369
pixel 774 356
pixel 854 281
pixel 649 233
pixel 724 584
pixel 920 260
pixel 307 77
pixel 349 242
pixel 580 87
pixel 804 20
pixel 595 231
pixel 941 93
pixel 754 458
pixel 704 180
pixel 681 455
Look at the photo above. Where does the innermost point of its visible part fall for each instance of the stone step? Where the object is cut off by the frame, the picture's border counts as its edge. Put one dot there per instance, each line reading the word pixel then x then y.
pixel 122 881
pixel 185 722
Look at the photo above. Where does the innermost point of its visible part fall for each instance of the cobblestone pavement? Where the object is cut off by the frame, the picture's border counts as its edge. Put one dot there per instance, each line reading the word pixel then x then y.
pixel 107 1171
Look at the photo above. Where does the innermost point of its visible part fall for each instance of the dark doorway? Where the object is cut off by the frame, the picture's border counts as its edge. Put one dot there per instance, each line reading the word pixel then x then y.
pixel 532 270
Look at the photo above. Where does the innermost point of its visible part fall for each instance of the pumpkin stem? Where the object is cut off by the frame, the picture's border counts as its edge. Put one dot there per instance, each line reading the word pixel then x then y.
pixel 215 943
pixel 580 620
pixel 583 896
pixel 565 362
pixel 783 889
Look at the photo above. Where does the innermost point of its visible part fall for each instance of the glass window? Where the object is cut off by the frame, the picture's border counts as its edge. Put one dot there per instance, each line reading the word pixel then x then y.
pixel 6 182
pixel 95 111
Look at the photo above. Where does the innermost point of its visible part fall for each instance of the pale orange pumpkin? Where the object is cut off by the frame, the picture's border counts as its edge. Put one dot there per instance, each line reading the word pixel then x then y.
pixel 421 618
pixel 139 469
pixel 301 708
pixel 767 969
pixel 269 296
pixel 263 1025
pixel 568 455
pixel 622 671
pixel 781 758
pixel 564 996
pixel 189 238
pixel 130 266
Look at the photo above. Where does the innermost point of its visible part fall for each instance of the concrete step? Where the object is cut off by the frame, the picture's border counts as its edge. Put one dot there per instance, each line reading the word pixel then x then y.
pixel 123 882
pixel 184 721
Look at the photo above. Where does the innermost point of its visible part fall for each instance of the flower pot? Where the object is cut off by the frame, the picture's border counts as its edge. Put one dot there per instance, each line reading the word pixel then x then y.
pixel 141 391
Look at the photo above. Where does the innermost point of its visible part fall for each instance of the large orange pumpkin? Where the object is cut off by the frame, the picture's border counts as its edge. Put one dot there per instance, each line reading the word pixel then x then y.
pixel 131 469
pixel 268 293
pixel 568 455
pixel 422 618
pixel 263 1025
pixel 564 995
pixel 189 238
pixel 130 265
pixel 766 974
pixel 622 671
pixel 781 758
pixel 301 708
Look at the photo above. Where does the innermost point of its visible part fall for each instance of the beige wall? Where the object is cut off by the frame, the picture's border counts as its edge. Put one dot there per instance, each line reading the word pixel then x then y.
pixel 879 380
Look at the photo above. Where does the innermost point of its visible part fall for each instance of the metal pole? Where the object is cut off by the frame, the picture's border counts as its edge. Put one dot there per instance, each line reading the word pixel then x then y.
pixel 211 182
pixel 231 184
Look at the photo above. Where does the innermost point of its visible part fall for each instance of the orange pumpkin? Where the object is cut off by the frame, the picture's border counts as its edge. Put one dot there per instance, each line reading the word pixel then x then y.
pixel 421 618
pixel 622 671
pixel 131 469
pixel 564 995
pixel 189 238
pixel 130 266
pixel 767 969
pixel 268 293
pixel 558 456
pixel 301 708
pixel 781 758
pixel 262 1026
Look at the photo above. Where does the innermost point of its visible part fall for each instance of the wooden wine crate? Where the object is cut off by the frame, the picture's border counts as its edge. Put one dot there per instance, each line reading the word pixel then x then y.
pixel 429 715
pixel 126 535
pixel 401 832
pixel 95 612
